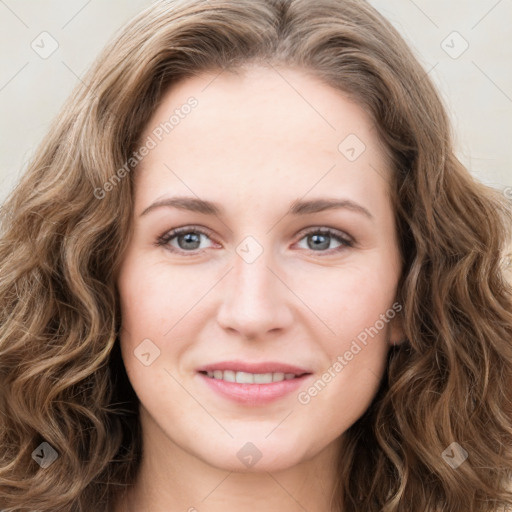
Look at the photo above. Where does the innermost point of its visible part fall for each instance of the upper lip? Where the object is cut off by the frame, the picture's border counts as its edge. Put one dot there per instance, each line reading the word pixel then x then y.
pixel 263 367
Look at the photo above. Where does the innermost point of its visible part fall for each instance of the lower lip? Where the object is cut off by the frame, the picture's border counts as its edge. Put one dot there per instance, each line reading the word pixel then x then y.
pixel 254 394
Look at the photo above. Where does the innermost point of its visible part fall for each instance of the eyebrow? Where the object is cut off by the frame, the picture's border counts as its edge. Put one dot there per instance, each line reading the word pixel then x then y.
pixel 298 207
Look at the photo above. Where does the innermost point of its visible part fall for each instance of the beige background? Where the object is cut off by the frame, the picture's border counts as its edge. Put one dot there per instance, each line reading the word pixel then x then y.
pixel 476 85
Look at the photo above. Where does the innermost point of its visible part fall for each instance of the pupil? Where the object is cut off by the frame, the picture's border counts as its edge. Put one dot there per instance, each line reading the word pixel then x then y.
pixel 322 239
pixel 189 238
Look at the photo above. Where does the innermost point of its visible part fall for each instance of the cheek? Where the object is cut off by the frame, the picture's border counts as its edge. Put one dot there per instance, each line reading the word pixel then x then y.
pixel 356 354
pixel 352 298
pixel 356 303
pixel 154 301
pixel 153 297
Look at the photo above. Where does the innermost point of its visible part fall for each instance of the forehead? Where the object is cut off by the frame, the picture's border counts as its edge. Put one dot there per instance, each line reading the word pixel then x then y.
pixel 261 129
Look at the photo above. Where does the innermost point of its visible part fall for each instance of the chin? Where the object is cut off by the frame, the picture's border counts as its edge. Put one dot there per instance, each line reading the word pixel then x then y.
pixel 275 463
pixel 252 456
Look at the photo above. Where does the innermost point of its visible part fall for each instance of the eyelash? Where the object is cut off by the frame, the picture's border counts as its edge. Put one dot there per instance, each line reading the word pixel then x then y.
pixel 164 239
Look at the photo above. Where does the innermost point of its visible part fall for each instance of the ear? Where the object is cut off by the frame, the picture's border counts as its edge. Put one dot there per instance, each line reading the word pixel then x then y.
pixel 396 330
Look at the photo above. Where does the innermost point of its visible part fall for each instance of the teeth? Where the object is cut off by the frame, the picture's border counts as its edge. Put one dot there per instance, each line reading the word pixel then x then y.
pixel 277 377
pixel 244 378
pixel 250 378
pixel 229 376
pixel 262 378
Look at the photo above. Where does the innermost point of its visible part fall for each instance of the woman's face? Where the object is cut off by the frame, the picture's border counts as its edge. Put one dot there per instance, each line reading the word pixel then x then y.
pixel 286 262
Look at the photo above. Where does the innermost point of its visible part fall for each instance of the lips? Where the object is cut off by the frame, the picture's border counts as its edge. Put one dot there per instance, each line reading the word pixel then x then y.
pixel 252 383
pixel 249 378
pixel 264 367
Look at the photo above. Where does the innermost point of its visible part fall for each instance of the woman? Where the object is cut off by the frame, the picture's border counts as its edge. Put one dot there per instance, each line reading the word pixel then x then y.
pixel 246 270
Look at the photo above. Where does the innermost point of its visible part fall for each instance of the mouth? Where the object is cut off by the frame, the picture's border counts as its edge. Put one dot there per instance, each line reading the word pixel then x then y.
pixel 250 383
pixel 250 378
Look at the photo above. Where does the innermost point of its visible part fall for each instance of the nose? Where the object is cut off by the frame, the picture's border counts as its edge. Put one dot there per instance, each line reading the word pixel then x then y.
pixel 255 301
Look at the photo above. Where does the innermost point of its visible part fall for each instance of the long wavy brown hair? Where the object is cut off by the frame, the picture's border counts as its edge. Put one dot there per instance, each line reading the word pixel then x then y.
pixel 63 232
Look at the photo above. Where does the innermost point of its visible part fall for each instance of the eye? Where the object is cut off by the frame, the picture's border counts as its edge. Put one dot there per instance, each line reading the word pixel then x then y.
pixel 320 239
pixel 185 239
pixel 189 238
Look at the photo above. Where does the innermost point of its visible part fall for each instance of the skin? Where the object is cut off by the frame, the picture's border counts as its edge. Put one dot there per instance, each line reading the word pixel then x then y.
pixel 254 145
